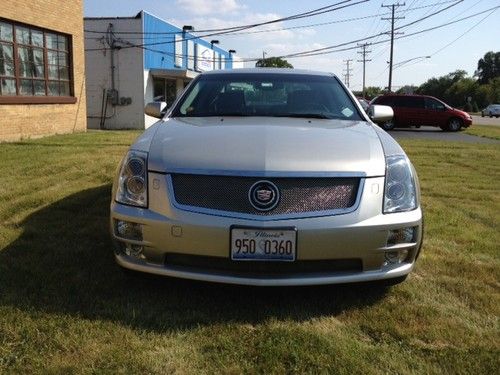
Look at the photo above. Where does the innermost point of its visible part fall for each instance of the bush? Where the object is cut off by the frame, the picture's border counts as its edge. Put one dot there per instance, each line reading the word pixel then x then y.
pixel 468 107
pixel 475 108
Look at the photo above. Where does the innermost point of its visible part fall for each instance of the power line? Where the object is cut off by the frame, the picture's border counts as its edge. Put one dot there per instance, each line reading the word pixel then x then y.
pixel 454 40
pixel 364 60
pixel 307 14
pixel 466 32
pixel 347 71
pixel 298 53
pixel 157 35
pixel 433 7
pixel 229 30
pixel 325 49
pixel 170 33
pixel 330 49
pixel 393 17
pixel 310 13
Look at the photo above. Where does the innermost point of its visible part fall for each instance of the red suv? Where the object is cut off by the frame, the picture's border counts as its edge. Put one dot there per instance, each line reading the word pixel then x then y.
pixel 420 110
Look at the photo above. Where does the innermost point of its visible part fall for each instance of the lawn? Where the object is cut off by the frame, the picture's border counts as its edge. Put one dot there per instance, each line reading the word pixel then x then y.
pixel 65 307
pixel 487 131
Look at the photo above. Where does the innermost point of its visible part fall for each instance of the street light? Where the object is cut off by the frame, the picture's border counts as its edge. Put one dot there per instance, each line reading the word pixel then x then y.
pixel 400 64
pixel 187 28
pixel 212 42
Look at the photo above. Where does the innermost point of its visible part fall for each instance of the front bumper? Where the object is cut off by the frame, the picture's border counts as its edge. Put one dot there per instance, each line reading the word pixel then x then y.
pixel 360 235
pixel 295 280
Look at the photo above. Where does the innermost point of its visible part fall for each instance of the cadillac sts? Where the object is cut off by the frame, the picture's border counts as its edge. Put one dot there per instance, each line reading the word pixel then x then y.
pixel 267 177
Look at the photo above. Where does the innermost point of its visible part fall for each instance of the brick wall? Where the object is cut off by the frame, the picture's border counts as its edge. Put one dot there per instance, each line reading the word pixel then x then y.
pixel 35 120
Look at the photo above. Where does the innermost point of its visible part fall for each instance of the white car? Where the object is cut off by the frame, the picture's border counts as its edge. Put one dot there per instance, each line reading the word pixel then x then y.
pixel 267 177
pixel 491 110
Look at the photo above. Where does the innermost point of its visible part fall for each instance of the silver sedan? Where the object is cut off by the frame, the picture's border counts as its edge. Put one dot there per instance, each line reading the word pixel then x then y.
pixel 267 177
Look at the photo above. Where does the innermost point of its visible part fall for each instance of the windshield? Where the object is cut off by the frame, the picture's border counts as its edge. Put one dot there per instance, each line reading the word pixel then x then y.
pixel 265 94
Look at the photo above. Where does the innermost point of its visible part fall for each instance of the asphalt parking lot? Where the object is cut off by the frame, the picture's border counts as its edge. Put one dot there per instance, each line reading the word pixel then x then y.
pixel 495 121
pixel 429 132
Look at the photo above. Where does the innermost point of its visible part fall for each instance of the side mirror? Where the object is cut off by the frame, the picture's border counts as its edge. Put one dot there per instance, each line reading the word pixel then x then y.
pixel 155 109
pixel 380 113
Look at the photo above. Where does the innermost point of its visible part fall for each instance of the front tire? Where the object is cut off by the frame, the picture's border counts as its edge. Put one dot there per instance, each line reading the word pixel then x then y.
pixel 454 125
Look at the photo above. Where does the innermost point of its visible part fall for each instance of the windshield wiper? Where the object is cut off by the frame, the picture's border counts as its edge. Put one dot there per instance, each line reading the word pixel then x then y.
pixel 304 115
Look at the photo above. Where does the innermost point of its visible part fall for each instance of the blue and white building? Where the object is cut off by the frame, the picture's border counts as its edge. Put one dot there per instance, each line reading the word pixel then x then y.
pixel 131 61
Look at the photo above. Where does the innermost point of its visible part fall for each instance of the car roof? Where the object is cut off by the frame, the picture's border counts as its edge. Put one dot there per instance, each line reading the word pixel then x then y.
pixel 409 95
pixel 269 71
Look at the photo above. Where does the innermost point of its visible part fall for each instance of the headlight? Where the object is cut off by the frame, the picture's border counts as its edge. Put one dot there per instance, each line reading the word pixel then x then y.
pixel 399 193
pixel 133 181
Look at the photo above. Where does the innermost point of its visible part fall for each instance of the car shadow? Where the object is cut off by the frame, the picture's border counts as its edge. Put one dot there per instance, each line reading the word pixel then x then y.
pixel 63 263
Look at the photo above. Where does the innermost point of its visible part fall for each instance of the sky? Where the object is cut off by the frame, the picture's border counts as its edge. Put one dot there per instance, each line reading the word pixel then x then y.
pixel 456 46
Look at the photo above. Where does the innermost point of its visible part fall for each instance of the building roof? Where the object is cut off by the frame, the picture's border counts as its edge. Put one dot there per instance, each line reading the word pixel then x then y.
pixel 138 15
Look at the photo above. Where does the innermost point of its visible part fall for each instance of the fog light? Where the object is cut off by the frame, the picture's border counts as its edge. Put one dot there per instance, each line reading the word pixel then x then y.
pixel 395 256
pixel 403 235
pixel 131 231
pixel 134 251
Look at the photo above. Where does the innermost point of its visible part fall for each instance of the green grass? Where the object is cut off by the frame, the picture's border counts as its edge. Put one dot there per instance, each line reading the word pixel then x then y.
pixel 65 307
pixel 486 131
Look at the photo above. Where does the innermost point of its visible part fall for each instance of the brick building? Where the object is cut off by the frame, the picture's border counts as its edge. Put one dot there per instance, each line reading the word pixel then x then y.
pixel 42 84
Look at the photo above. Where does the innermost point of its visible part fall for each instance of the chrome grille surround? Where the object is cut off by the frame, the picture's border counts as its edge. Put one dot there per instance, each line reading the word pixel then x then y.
pixel 301 195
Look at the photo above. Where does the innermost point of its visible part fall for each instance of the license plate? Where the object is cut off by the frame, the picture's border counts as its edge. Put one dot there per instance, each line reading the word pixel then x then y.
pixel 263 244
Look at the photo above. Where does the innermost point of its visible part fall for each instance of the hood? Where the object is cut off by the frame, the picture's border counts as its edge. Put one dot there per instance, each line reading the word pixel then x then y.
pixel 463 113
pixel 266 146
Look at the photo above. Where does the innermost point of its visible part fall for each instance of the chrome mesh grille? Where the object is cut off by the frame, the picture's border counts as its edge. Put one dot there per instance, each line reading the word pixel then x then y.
pixel 298 195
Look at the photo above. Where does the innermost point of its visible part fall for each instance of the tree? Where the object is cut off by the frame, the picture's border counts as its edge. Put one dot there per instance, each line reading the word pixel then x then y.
pixel 372 91
pixel 459 92
pixel 456 88
pixel 488 67
pixel 407 89
pixel 494 90
pixel 273 62
pixel 439 87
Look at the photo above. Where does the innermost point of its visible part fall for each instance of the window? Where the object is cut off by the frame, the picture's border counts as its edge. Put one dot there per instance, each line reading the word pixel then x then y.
pixel 274 95
pixel 409 102
pixel 164 90
pixel 433 104
pixel 35 65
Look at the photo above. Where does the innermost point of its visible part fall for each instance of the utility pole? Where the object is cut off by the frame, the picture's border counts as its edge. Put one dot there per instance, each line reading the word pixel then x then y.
pixel 393 8
pixel 347 72
pixel 364 52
